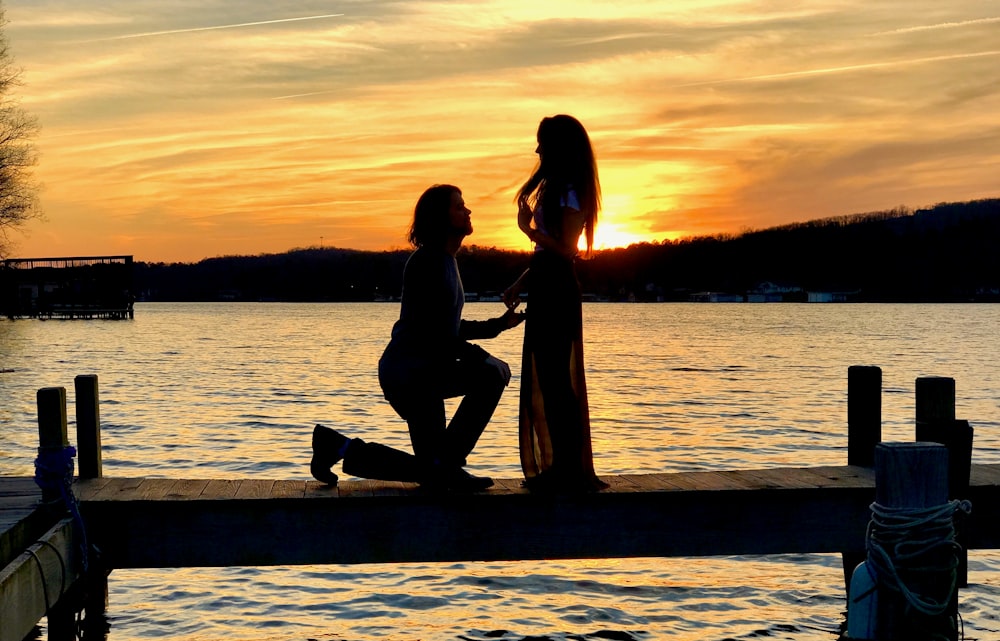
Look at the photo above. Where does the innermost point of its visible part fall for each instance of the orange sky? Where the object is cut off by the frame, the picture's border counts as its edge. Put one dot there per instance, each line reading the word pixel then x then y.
pixel 175 131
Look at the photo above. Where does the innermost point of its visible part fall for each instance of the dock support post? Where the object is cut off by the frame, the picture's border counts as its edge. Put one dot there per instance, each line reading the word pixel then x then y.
pixel 52 436
pixel 864 413
pixel 936 423
pixel 912 476
pixel 864 431
pixel 53 439
pixel 88 426
pixel 88 437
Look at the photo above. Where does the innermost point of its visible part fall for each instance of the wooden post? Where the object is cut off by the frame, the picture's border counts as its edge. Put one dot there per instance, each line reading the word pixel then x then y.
pixel 914 475
pixel 51 428
pixel 88 426
pixel 935 401
pixel 864 413
pixel 52 437
pixel 88 437
pixel 936 423
pixel 864 431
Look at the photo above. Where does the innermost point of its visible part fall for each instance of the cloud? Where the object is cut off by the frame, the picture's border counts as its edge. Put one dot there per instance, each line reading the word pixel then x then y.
pixel 330 118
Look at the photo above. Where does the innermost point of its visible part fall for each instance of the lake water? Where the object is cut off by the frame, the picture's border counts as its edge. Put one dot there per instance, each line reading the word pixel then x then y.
pixel 232 391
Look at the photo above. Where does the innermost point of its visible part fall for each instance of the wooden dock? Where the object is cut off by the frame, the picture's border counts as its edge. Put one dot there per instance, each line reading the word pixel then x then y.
pixel 172 523
pixel 144 523
pixel 157 523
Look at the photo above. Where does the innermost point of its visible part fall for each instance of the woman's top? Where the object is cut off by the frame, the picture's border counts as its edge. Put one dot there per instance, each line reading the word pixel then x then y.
pixel 569 199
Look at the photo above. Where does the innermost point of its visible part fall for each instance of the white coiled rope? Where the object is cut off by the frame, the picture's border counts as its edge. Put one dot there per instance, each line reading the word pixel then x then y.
pixel 908 541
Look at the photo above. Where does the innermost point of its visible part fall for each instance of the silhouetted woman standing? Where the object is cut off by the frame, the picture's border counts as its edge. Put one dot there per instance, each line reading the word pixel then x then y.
pixel 556 205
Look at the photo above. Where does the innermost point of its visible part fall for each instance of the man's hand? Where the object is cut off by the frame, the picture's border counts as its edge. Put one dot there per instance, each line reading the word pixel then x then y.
pixel 512 318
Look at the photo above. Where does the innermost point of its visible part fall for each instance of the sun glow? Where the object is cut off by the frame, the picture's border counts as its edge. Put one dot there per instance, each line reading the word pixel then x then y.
pixel 609 235
pixel 247 130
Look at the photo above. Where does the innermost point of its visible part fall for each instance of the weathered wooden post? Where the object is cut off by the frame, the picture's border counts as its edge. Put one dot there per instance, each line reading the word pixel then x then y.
pixel 911 549
pixel 936 423
pixel 864 413
pixel 52 436
pixel 864 432
pixel 88 436
pixel 52 444
pixel 88 426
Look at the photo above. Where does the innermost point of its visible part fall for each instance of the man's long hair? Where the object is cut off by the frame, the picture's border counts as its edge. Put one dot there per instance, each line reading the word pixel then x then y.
pixel 430 217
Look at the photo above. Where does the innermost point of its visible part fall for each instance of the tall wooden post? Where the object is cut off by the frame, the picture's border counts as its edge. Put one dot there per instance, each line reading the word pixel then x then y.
pixel 913 476
pixel 864 432
pixel 88 426
pixel 935 400
pixel 52 436
pixel 864 413
pixel 52 439
pixel 936 423
pixel 88 436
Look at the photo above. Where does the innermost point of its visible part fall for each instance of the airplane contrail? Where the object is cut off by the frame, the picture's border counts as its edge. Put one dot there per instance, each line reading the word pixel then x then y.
pixel 222 26
pixel 830 70
pixel 942 25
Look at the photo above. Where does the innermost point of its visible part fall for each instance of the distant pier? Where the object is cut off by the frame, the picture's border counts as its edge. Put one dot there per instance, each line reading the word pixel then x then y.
pixel 79 287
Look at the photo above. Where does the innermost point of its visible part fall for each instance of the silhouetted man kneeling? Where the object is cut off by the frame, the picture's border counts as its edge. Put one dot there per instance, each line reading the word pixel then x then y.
pixel 427 360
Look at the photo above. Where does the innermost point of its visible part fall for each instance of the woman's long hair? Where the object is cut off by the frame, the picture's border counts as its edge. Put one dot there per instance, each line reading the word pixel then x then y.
pixel 567 161
pixel 430 224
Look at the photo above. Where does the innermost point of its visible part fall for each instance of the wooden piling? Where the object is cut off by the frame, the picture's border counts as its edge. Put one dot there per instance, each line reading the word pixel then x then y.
pixel 864 432
pixel 52 437
pixel 864 413
pixel 914 476
pixel 52 434
pixel 935 400
pixel 936 423
pixel 88 436
pixel 88 427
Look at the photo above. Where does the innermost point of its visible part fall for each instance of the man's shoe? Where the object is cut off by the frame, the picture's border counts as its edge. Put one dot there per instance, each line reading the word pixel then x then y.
pixel 327 445
pixel 461 481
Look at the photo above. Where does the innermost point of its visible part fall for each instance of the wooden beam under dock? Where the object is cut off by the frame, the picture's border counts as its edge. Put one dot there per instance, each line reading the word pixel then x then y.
pixel 141 523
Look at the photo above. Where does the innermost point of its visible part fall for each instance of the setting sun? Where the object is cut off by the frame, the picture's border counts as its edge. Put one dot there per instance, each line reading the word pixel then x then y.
pixel 609 235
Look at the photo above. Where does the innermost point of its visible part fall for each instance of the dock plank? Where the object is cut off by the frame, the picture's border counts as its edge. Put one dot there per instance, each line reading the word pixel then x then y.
pixel 288 489
pixel 157 488
pixel 985 475
pixel 117 488
pixel 220 489
pixel 255 489
pixel 186 489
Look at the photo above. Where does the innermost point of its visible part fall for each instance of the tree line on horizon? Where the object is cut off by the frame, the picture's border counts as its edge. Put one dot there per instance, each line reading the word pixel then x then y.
pixel 945 253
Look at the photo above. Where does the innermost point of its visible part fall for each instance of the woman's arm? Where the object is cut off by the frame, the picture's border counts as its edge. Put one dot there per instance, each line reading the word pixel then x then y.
pixel 512 295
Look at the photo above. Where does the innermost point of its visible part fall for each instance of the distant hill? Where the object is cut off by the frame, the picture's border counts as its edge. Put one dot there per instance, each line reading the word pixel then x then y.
pixel 949 252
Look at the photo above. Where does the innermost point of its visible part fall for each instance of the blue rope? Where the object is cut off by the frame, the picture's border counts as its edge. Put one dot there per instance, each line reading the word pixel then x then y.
pixel 54 471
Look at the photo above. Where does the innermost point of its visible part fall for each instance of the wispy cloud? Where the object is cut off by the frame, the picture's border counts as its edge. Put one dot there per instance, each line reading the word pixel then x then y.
pixel 844 69
pixel 707 115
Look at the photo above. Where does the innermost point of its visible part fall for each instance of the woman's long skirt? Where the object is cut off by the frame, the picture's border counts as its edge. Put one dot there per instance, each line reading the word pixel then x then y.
pixel 554 415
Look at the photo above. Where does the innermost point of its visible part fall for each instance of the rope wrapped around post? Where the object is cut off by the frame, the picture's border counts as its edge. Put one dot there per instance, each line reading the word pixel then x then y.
pixel 54 475
pixel 907 586
pixel 905 544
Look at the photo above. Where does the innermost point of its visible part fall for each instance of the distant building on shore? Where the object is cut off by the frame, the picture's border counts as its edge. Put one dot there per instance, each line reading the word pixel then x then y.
pixel 72 287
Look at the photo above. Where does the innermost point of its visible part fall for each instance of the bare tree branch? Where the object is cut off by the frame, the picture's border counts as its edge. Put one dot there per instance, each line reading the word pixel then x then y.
pixel 18 189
